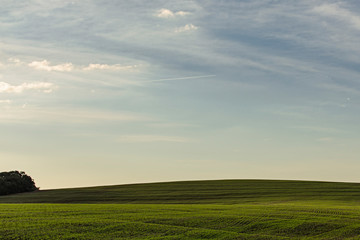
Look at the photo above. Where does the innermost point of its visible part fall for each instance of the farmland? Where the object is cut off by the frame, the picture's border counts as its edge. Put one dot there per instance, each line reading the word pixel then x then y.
pixel 228 209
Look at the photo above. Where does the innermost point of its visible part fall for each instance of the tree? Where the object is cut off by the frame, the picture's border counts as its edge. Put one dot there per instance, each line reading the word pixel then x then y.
pixel 16 182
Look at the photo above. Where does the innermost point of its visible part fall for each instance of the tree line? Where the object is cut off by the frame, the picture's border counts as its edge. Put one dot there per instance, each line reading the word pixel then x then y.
pixel 16 182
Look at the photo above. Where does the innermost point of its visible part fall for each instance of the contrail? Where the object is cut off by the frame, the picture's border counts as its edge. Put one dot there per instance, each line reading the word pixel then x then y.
pixel 180 78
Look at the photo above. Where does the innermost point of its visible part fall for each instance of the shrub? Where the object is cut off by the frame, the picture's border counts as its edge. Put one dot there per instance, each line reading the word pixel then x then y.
pixel 16 182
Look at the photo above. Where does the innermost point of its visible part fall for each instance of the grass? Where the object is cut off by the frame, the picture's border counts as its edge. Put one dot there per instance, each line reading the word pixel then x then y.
pixel 195 192
pixel 229 209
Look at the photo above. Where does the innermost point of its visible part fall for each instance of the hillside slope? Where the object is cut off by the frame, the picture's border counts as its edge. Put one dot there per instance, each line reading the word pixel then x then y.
pixel 212 191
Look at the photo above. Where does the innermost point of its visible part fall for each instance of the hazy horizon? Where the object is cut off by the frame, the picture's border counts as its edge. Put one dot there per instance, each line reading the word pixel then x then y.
pixel 112 92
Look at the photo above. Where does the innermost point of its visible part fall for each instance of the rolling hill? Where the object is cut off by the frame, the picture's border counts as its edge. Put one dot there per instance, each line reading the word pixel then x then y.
pixel 212 191
pixel 222 209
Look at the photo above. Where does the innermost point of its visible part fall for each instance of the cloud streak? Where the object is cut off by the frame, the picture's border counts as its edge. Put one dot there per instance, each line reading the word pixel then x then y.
pixel 67 115
pixel 166 13
pixel 180 78
pixel 334 10
pixel 186 28
pixel 115 67
pixel 40 86
pixel 151 139
pixel 45 65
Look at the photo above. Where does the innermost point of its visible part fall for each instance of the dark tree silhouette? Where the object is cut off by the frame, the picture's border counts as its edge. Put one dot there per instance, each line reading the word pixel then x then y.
pixel 16 182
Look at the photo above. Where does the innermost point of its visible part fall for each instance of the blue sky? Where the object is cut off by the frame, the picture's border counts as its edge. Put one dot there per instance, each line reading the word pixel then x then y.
pixel 110 92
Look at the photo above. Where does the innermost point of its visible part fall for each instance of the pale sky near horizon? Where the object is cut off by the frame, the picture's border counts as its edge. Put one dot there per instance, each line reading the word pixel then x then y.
pixel 113 92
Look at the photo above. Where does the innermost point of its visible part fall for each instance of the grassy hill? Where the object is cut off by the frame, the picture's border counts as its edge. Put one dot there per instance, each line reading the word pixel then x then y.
pixel 216 191
pixel 225 209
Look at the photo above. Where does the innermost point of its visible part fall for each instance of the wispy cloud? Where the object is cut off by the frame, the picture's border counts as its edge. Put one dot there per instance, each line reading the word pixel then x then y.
pixel 186 28
pixel 325 139
pixel 166 13
pixel 339 88
pixel 179 78
pixel 67 115
pixel 182 13
pixel 8 101
pixel 171 125
pixel 97 66
pixel 317 129
pixel 291 112
pixel 334 10
pixel 151 138
pixel 45 65
pixel 15 61
pixel 84 115
pixel 40 86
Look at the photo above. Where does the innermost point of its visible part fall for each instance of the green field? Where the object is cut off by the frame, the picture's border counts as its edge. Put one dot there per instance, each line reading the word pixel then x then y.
pixel 228 209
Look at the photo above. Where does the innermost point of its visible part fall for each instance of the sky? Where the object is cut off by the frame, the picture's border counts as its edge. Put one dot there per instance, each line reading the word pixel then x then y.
pixel 114 92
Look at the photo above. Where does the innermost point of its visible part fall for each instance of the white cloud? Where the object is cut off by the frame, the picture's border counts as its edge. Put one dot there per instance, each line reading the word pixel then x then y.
pixel 170 125
pixel 166 13
pixel 339 88
pixel 8 101
pixel 338 12
pixel 317 129
pixel 182 13
pixel 187 27
pixel 45 65
pixel 15 61
pixel 97 115
pixel 67 67
pixel 25 113
pixel 41 86
pixel 97 66
pixel 179 78
pixel 325 139
pixel 151 138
